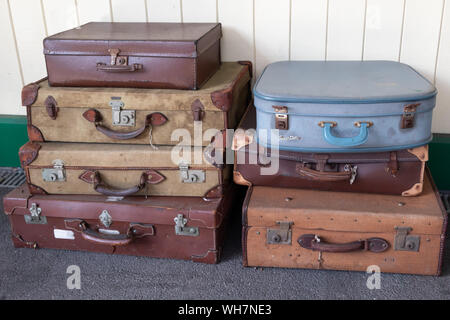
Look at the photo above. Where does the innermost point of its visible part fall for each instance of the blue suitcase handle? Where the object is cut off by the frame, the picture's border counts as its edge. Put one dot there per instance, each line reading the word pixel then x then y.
pixel 358 140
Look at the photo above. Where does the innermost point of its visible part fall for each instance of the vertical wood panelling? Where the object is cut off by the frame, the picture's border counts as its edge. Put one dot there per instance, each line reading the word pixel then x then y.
pixel 199 11
pixel 129 10
pixel 441 115
pixel 10 80
pixel 164 10
pixel 345 29
pixel 383 29
pixel 308 29
pixel 271 32
pixel 30 31
pixel 60 15
pixel 97 10
pixel 236 17
pixel 421 35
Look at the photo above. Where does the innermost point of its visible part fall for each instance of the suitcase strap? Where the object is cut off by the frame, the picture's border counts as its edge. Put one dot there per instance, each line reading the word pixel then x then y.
pixel 315 243
pixel 152 119
pixel 349 173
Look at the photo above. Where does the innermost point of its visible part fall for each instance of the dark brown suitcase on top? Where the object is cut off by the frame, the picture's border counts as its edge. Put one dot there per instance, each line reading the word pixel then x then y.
pixel 397 172
pixel 142 55
pixel 295 228
pixel 185 228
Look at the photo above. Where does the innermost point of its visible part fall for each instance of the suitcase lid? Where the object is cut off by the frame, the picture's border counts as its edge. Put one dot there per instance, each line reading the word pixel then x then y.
pixel 186 40
pixel 151 210
pixel 338 82
pixel 347 212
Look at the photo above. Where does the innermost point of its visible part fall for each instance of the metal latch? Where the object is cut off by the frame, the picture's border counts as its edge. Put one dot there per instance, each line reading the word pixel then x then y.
pixel 181 229
pixel 35 215
pixel 121 117
pixel 191 176
pixel 55 174
pixel 281 117
pixel 409 112
pixel 281 235
pixel 405 242
pixel 105 218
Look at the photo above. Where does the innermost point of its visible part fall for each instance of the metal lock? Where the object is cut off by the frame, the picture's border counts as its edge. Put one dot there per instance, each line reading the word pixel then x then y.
pixel 409 112
pixel 181 229
pixel 55 174
pixel 281 235
pixel 281 117
pixel 105 218
pixel 405 242
pixel 35 215
pixel 121 117
pixel 191 176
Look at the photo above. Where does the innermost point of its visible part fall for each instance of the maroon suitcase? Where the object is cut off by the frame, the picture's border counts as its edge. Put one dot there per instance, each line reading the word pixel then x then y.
pixel 142 55
pixel 397 172
pixel 187 228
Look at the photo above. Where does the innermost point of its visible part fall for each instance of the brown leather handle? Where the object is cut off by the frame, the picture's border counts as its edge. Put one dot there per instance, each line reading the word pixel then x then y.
pixel 315 243
pixel 105 239
pixel 154 119
pixel 302 170
pixel 119 68
pixel 103 188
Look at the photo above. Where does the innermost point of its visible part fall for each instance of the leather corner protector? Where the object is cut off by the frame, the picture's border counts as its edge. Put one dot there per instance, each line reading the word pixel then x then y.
pixel 239 179
pixel 214 193
pixel 211 257
pixel 420 152
pixel 29 94
pixel 250 66
pixel 36 190
pixel 87 176
pixel 222 99
pixel 34 134
pixel 414 191
pixel 154 177
pixel 241 139
pixel 28 153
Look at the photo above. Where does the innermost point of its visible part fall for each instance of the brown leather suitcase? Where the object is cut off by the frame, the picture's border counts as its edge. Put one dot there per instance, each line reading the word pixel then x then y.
pixel 121 170
pixel 164 227
pixel 141 55
pixel 397 172
pixel 294 228
pixel 137 116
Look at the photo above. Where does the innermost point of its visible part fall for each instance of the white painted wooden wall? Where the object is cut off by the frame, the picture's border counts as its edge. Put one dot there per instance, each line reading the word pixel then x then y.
pixel 416 32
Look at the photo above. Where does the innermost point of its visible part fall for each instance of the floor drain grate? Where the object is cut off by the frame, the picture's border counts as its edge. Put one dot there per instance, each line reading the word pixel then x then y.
pixel 11 177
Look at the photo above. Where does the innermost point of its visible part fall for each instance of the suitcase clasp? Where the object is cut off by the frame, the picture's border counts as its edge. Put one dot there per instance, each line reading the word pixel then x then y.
pixel 181 229
pixel 121 117
pixel 55 174
pixel 405 242
pixel 409 112
pixel 191 176
pixel 281 117
pixel 35 215
pixel 281 235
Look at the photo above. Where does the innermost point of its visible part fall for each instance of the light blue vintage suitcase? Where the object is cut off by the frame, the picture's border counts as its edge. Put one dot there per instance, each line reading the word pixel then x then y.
pixel 343 106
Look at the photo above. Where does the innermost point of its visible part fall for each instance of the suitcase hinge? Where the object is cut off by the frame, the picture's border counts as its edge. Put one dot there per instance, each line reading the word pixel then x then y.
pixel 281 117
pixel 405 242
pixel 181 229
pixel 121 117
pixel 409 112
pixel 281 235
pixel 55 174
pixel 191 176
pixel 35 215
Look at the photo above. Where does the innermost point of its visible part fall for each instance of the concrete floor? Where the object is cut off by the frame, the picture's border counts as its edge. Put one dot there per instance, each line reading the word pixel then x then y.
pixel 41 274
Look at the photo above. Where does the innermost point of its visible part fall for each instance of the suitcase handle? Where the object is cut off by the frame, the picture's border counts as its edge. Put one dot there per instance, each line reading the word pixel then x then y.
pixel 315 243
pixel 357 140
pixel 152 119
pixel 119 68
pixel 147 177
pixel 302 170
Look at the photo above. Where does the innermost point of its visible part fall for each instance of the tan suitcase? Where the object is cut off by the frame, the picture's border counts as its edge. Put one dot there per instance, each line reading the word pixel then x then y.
pixel 137 116
pixel 121 170
pixel 295 228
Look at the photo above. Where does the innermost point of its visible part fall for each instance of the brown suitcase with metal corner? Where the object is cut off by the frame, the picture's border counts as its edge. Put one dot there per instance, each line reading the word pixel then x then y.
pixel 121 170
pixel 164 227
pixel 140 55
pixel 137 116
pixel 397 172
pixel 294 228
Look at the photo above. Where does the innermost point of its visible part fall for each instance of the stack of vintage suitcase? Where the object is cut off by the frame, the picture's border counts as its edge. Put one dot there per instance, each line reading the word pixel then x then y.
pixel 117 160
pixel 335 159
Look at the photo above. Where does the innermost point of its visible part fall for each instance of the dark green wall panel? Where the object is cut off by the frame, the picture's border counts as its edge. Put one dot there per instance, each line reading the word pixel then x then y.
pixel 13 134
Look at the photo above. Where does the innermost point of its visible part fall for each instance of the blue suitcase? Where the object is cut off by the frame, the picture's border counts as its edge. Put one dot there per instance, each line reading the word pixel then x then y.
pixel 343 106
